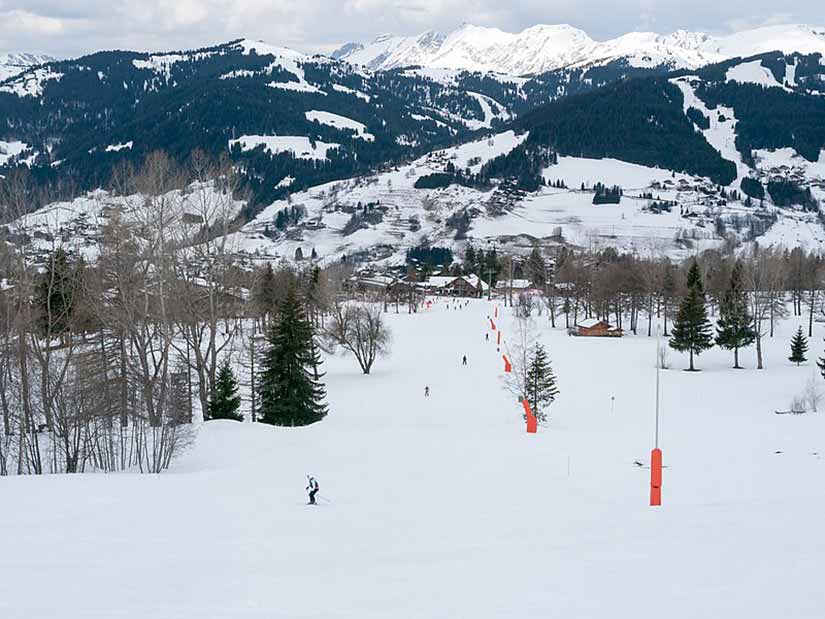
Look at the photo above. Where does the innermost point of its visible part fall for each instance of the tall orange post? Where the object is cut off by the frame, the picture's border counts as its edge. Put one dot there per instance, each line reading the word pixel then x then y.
pixel 495 311
pixel 498 339
pixel 656 477
pixel 508 367
pixel 532 421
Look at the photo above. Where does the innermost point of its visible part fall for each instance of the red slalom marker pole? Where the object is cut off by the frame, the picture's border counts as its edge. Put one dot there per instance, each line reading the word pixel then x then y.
pixel 656 477
pixel 492 325
pixel 508 367
pixel 498 339
pixel 532 421
pixel 656 454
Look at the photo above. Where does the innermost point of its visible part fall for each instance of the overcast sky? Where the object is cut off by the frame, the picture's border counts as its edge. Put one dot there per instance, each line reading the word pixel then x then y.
pixel 73 27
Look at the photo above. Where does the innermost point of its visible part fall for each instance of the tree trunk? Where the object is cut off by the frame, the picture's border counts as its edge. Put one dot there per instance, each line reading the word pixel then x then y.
pixel 759 351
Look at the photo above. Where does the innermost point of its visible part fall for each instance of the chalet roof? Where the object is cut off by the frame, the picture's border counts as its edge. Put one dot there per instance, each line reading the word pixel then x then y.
pixel 373 280
pixel 476 282
pixel 439 281
pixel 517 284
pixel 589 323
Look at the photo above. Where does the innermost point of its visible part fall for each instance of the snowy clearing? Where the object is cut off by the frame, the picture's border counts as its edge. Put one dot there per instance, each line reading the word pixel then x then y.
pixel 9 150
pixel 752 73
pixel 577 170
pixel 298 145
pixel 31 83
pixel 340 122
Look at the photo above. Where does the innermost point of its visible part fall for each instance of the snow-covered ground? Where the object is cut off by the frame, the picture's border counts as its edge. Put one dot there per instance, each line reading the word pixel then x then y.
pixel 340 122
pixel 445 507
pixel 299 145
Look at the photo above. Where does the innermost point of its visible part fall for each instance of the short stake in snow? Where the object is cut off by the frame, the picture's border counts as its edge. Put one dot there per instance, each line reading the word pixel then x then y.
pixel 508 367
pixel 498 339
pixel 495 312
pixel 532 422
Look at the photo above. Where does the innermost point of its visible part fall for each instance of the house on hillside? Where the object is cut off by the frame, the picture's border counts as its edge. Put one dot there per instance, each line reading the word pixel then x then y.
pixel 371 283
pixel 462 286
pixel 593 327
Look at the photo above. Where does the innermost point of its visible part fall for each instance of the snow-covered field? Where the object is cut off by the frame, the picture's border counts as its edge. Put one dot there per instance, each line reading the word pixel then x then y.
pixel 445 507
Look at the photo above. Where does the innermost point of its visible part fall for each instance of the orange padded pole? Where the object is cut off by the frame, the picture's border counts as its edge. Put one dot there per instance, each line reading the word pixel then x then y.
pixel 507 365
pixel 656 477
pixel 532 422
pixel 492 325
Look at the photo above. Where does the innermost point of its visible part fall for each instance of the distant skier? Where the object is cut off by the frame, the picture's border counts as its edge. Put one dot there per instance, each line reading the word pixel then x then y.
pixel 464 360
pixel 313 489
pixel 427 392
pixel 487 336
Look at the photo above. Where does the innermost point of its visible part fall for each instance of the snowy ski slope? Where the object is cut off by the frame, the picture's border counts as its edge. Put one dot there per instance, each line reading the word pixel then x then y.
pixel 444 507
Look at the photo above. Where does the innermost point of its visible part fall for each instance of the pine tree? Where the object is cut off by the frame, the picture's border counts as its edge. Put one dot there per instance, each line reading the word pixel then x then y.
pixel 692 329
pixel 224 402
pixel 55 296
pixel 264 291
pixel 540 387
pixel 734 329
pixel 799 346
pixel 536 268
pixel 290 389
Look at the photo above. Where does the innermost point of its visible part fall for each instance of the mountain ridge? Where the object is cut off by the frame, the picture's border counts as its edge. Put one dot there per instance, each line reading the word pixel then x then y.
pixel 542 48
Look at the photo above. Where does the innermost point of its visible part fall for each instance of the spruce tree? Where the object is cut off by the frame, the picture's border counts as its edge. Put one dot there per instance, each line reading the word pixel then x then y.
pixel 536 272
pixel 224 402
pixel 692 330
pixel 799 346
pixel 290 389
pixel 55 295
pixel 540 387
pixel 734 329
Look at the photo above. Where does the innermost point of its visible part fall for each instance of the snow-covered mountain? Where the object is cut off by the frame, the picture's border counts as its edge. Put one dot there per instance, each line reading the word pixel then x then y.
pixel 12 64
pixel 546 48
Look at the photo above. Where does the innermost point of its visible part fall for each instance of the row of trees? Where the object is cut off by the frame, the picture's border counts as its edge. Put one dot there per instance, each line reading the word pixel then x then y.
pixel 104 364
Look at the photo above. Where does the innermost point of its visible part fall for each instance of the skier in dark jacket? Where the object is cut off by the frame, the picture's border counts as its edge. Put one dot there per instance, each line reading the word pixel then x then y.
pixel 313 489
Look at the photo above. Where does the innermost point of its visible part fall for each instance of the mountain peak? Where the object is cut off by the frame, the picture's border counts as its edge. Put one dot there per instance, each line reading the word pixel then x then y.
pixel 546 47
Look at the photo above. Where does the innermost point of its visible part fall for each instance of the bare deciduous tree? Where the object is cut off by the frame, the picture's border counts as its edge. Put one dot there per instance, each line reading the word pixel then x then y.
pixel 358 328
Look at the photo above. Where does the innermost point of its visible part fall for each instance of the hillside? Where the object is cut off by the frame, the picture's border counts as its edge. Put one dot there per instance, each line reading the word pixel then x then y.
pixel 728 153
pixel 15 63
pixel 79 119
pixel 449 495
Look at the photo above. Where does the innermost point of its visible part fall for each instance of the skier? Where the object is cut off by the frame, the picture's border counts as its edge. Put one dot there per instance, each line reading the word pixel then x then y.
pixel 487 336
pixel 313 489
pixel 464 360
pixel 427 391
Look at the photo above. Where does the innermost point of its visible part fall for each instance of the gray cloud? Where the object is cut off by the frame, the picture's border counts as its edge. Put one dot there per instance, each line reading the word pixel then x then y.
pixel 73 28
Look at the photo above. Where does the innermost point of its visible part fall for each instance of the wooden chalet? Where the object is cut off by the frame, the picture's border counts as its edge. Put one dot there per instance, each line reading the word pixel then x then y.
pixel 461 286
pixel 593 327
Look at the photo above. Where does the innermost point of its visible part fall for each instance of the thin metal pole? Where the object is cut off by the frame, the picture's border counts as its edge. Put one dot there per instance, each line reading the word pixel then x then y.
pixel 658 361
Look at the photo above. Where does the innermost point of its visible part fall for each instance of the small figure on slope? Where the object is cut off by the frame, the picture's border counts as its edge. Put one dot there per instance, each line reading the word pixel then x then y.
pixel 313 489
pixel 427 392
pixel 464 360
